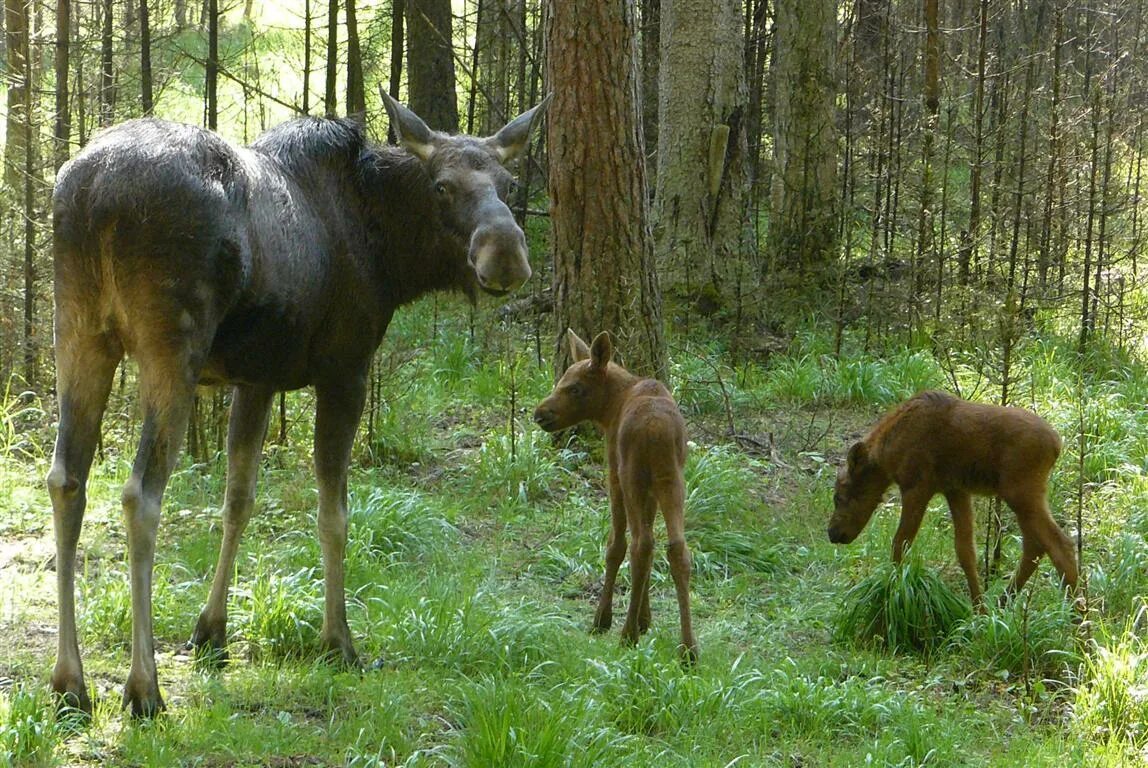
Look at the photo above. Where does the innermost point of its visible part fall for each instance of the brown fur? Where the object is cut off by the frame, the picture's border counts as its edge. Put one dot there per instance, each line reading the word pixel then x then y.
pixel 936 443
pixel 646 447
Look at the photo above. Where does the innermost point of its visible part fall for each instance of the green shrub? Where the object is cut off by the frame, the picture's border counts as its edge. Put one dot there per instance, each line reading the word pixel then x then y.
pixel 903 607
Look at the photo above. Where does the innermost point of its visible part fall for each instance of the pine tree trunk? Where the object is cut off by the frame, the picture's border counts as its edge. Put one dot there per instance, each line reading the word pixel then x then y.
pixel 146 98
pixel 803 215
pixel 699 217
pixel 356 92
pixel 430 64
pixel 330 97
pixel 63 128
pixel 604 276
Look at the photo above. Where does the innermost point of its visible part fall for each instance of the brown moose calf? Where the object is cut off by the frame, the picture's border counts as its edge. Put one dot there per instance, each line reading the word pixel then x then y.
pixel 646 446
pixel 936 443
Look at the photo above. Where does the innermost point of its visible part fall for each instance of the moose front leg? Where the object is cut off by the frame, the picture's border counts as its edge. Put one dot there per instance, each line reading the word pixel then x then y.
pixel 615 553
pixel 914 501
pixel 338 407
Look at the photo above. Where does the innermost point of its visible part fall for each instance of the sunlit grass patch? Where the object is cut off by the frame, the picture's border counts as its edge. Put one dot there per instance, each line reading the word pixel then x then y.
pixel 1111 705
pixel 902 607
pixel 278 612
pixel 28 727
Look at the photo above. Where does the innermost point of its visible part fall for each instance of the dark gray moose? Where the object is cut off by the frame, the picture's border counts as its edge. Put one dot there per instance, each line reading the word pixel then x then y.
pixel 269 268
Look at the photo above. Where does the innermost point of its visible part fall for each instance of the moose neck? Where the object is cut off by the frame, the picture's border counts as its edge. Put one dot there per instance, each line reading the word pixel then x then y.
pixel 619 382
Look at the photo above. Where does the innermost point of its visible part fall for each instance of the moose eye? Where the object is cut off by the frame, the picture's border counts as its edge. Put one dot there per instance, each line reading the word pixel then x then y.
pixel 577 390
pixel 441 189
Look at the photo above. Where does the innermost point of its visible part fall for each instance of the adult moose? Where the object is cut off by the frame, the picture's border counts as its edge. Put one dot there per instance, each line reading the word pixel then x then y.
pixel 270 268
pixel 936 443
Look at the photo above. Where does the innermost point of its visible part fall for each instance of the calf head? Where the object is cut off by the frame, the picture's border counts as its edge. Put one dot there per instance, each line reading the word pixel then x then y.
pixel 861 484
pixel 582 393
pixel 471 185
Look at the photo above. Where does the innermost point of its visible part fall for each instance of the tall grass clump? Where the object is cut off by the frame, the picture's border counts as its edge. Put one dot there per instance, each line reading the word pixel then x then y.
pixel 724 518
pixel 503 722
pixel 28 728
pixel 519 470
pixel 280 613
pixel 902 607
pixel 1111 705
pixel 1021 638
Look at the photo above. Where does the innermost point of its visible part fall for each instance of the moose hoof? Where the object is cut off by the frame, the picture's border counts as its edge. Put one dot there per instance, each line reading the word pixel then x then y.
pixel 72 699
pixel 208 644
pixel 143 699
pixel 688 654
pixel 602 622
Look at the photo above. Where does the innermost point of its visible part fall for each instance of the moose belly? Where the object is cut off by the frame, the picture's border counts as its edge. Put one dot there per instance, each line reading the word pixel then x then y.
pixel 262 345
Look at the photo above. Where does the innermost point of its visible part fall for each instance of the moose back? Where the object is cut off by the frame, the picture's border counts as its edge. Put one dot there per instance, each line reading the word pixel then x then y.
pixel 271 267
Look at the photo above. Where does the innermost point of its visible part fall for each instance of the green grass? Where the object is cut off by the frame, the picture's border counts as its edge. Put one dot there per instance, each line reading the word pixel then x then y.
pixel 475 558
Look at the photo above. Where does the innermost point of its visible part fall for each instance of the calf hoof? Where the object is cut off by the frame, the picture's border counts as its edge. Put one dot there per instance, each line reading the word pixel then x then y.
pixel 143 699
pixel 602 622
pixel 688 654
pixel 340 651
pixel 630 634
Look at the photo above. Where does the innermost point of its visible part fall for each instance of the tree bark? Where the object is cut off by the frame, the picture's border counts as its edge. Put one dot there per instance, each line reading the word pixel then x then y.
pixel 803 215
pixel 330 98
pixel 146 97
pixel 700 209
pixel 430 64
pixel 356 92
pixel 63 128
pixel 604 276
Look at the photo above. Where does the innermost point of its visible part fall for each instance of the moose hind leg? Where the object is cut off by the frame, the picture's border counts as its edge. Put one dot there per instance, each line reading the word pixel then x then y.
pixel 247 427
pixel 615 553
pixel 640 508
pixel 672 501
pixel 85 367
pixel 339 405
pixel 167 386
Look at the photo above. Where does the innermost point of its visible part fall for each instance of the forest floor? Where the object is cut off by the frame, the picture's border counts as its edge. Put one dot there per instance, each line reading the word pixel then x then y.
pixel 474 566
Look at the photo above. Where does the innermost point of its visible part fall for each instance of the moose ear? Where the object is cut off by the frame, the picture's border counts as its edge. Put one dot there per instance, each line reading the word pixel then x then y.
pixel 512 139
pixel 411 131
pixel 858 455
pixel 579 350
pixel 601 351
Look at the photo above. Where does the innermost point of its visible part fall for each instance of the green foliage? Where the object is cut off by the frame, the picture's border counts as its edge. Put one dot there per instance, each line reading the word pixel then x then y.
pixel 903 607
pixel 1021 638
pixel 28 729
pixel 278 612
pixel 1112 701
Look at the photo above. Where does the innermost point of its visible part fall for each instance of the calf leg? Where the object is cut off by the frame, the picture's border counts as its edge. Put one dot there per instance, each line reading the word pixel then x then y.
pixel 914 501
pixel 640 508
pixel 85 367
pixel 339 405
pixel 961 508
pixel 1041 534
pixel 672 501
pixel 250 408
pixel 615 552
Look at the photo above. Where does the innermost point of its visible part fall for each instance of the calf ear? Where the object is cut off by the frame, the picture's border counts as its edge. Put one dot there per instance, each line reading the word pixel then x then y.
pixel 579 350
pixel 601 351
pixel 513 138
pixel 858 456
pixel 410 129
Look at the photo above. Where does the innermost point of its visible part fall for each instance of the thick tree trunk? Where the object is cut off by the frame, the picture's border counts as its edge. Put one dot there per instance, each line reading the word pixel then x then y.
pixel 604 277
pixel 63 128
pixel 700 211
pixel 430 64
pixel 803 216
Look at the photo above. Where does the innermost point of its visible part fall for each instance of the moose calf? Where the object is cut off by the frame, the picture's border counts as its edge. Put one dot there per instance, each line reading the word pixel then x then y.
pixel 646 445
pixel 936 443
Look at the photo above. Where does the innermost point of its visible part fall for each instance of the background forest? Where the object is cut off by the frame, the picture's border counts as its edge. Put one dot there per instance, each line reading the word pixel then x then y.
pixel 797 213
